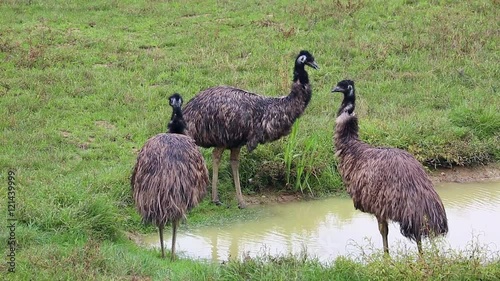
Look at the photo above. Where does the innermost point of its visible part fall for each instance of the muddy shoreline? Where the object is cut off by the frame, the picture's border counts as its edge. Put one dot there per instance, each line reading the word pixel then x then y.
pixel 490 172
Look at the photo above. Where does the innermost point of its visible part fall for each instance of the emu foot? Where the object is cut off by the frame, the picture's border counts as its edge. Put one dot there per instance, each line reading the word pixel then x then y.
pixel 217 202
pixel 387 255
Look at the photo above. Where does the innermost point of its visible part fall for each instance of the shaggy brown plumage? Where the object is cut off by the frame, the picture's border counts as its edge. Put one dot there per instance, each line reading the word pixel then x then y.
pixel 236 117
pixel 169 178
pixel 229 118
pixel 386 182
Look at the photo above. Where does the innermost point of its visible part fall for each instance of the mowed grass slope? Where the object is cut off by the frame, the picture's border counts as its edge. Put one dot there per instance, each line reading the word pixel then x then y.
pixel 84 84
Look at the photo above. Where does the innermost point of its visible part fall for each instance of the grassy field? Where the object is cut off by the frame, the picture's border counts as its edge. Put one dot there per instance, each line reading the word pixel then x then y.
pixel 83 84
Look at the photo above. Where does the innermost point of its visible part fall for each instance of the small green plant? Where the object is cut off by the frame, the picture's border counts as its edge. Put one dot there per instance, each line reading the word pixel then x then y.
pixel 305 164
pixel 288 154
pixel 301 158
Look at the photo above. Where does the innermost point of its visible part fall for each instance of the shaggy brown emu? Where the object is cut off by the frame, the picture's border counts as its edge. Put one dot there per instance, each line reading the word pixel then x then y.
pixel 170 176
pixel 386 182
pixel 228 118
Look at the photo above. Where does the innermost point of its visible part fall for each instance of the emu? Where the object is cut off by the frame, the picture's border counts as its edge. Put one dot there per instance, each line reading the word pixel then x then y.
pixel 169 177
pixel 224 117
pixel 386 182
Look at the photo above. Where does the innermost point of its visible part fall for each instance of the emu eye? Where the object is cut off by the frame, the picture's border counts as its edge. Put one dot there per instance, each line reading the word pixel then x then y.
pixel 302 59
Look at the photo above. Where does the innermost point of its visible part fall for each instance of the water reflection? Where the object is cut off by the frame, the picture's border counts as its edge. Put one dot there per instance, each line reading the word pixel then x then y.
pixel 330 227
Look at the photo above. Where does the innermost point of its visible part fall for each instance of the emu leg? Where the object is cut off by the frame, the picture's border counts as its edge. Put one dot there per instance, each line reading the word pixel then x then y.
pixel 174 235
pixel 383 227
pixel 235 163
pixel 160 228
pixel 216 156
pixel 419 244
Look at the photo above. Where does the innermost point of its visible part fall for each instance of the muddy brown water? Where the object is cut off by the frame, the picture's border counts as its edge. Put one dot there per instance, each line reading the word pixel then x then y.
pixel 331 227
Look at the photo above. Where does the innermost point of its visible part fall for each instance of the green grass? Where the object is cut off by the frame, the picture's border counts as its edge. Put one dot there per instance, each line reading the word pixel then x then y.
pixel 84 84
pixel 457 265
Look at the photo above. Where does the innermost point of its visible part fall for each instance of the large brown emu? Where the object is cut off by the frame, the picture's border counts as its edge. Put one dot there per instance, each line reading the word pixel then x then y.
pixel 386 182
pixel 228 118
pixel 170 176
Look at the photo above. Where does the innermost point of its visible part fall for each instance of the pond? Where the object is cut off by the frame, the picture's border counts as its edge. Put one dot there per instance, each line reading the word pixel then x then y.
pixel 331 227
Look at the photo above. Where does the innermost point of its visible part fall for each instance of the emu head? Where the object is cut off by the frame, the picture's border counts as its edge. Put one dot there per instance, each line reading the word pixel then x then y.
pixel 177 123
pixel 347 88
pixel 305 58
pixel 175 100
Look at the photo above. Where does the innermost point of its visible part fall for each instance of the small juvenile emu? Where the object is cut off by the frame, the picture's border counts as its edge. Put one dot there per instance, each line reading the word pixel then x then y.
pixel 228 118
pixel 170 176
pixel 386 182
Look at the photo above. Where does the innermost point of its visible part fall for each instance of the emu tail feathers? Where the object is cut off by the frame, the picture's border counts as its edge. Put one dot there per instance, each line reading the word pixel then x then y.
pixel 430 221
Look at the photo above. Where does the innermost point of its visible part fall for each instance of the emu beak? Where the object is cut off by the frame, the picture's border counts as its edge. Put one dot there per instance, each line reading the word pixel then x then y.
pixel 338 89
pixel 312 64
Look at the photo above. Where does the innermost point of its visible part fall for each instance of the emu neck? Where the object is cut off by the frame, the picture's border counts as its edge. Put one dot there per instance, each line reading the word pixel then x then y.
pixel 346 132
pixel 289 108
pixel 177 123
pixel 349 98
pixel 279 114
pixel 300 95
pixel 300 74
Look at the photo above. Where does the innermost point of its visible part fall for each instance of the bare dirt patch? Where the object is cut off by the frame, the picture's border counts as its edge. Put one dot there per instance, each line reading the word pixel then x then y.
pixel 467 174
pixel 270 197
pixel 66 134
pixel 105 124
